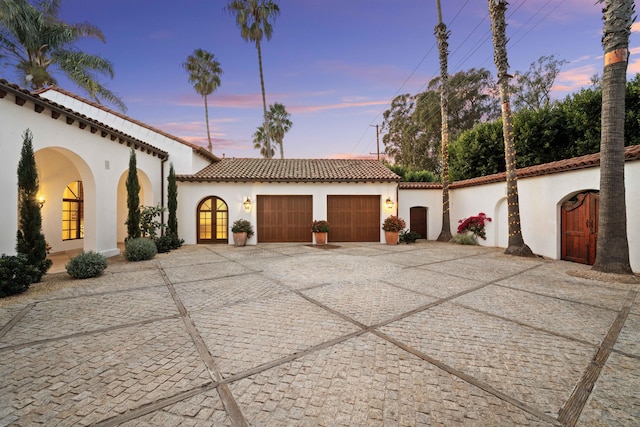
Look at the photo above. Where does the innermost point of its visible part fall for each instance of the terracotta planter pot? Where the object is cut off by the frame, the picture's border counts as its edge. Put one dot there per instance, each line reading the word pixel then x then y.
pixel 391 237
pixel 321 238
pixel 240 239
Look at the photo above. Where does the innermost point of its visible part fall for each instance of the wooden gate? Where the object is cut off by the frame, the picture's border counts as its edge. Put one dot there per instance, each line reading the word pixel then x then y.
pixel 580 228
pixel 418 221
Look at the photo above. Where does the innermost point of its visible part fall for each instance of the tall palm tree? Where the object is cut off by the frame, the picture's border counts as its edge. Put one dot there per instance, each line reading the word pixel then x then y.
pixel 612 251
pixel 260 143
pixel 442 35
pixel 35 42
pixel 280 124
pixel 204 74
pixel 252 18
pixel 497 9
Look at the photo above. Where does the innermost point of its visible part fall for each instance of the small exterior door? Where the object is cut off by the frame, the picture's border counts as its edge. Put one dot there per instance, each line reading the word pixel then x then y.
pixel 580 228
pixel 418 221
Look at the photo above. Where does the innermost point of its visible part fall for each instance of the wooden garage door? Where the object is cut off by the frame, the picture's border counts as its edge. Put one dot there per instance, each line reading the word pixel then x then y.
pixel 354 218
pixel 284 218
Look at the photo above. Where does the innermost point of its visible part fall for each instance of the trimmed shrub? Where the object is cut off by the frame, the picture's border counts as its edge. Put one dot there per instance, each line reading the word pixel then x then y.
pixel 163 244
pixel 139 249
pixel 167 243
pixel 16 274
pixel 85 265
pixel 408 236
pixel 464 239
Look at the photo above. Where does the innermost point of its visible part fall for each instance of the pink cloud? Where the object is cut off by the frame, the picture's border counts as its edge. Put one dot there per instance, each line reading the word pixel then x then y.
pixel 335 106
pixel 633 67
pixel 635 27
pixel 574 78
pixel 355 156
pixel 377 74
pixel 253 100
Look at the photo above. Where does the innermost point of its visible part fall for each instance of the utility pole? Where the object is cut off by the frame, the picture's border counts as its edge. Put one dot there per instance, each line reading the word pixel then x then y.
pixel 377 143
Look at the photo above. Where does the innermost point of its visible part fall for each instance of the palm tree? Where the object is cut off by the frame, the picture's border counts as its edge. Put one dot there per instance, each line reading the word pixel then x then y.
pixel 497 10
pixel 442 35
pixel 252 17
pixel 612 251
pixel 37 43
pixel 204 74
pixel 260 143
pixel 280 124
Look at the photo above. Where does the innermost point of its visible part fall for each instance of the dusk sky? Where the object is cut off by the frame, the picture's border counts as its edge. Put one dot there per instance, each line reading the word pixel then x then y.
pixel 335 64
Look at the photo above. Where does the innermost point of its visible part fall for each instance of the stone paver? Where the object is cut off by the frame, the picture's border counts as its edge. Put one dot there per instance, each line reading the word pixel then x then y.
pixel 522 362
pixel 91 378
pixel 568 318
pixel 246 335
pixel 290 334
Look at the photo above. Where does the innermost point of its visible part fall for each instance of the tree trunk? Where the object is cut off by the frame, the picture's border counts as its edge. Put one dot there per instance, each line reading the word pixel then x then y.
pixel 442 35
pixel 206 114
pixel 612 252
pixel 516 245
pixel 267 130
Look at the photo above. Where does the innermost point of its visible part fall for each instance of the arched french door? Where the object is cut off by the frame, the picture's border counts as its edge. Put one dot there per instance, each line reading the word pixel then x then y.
pixel 213 221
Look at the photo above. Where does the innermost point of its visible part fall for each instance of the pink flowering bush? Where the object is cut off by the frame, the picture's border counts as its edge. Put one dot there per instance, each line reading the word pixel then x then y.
pixel 474 224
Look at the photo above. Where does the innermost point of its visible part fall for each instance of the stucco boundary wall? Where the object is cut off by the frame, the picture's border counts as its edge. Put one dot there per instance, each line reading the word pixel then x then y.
pixel 541 198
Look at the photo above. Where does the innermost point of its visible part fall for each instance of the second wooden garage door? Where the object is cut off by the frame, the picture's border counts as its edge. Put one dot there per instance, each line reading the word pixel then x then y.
pixel 284 218
pixel 354 218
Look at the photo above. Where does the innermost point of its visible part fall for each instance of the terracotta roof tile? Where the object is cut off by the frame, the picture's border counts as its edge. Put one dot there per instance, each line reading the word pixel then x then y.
pixel 293 170
pixel 6 87
pixel 197 148
pixel 590 160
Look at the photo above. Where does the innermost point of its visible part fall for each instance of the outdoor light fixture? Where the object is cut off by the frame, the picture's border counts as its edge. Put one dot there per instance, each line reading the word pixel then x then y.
pixel 389 203
pixel 41 201
pixel 247 205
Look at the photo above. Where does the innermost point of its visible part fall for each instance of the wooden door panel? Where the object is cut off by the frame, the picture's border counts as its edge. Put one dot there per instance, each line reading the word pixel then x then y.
pixel 354 218
pixel 418 220
pixel 579 221
pixel 284 218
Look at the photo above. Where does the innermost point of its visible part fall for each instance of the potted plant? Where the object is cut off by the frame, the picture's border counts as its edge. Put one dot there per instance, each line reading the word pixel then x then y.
pixel 242 230
pixel 392 226
pixel 320 228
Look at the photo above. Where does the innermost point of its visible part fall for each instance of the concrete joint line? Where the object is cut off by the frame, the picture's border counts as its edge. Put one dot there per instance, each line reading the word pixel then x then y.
pixel 153 406
pixel 290 358
pixel 572 409
pixel 86 333
pixel 526 325
pixel 229 402
pixel 16 319
pixel 469 379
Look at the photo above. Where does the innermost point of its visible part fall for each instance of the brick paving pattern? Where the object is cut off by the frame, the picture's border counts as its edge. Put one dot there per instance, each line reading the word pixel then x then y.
pixel 288 334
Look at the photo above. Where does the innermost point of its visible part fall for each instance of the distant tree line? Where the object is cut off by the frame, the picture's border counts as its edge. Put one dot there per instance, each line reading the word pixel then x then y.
pixel 544 131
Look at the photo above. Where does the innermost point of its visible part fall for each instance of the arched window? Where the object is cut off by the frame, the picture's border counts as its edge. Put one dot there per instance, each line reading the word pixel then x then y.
pixel 73 211
pixel 213 221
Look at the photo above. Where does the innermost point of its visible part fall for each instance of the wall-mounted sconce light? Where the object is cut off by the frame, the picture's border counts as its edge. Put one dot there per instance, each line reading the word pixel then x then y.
pixel 389 203
pixel 247 205
pixel 41 201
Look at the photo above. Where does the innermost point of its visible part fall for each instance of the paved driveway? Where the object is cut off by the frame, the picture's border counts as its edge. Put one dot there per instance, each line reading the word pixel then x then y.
pixel 363 334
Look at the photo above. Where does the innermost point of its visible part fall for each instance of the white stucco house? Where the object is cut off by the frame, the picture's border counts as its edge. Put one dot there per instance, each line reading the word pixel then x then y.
pixel 82 154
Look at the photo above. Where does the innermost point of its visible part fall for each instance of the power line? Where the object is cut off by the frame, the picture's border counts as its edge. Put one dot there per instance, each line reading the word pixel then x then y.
pixel 406 80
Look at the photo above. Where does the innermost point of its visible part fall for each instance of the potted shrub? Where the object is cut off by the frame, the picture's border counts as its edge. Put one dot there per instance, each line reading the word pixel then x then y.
pixel 242 230
pixel 392 226
pixel 320 228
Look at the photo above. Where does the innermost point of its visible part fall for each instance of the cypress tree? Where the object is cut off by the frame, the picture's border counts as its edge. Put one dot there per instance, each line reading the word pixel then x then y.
pixel 133 199
pixel 30 240
pixel 172 203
